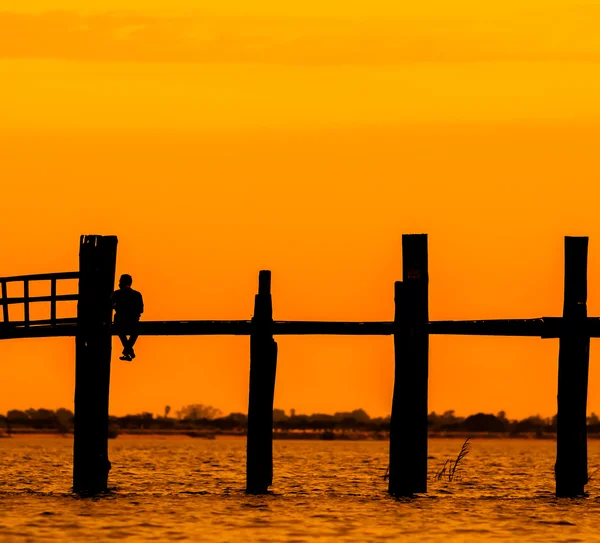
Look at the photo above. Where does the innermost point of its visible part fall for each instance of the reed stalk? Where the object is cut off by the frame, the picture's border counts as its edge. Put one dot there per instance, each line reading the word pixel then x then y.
pixel 450 466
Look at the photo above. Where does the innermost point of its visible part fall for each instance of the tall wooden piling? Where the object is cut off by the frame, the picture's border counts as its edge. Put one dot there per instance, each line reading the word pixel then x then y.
pixel 263 366
pixel 97 261
pixel 408 429
pixel 573 370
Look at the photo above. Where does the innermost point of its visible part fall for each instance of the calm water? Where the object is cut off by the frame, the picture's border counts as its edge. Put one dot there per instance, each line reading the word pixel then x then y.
pixel 190 489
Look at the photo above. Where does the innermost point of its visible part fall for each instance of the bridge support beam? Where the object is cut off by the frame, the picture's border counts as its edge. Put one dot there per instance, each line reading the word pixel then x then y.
pixel 573 369
pixel 263 365
pixel 408 428
pixel 97 261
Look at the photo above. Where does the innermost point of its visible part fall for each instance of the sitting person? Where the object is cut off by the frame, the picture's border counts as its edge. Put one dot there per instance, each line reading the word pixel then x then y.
pixel 129 306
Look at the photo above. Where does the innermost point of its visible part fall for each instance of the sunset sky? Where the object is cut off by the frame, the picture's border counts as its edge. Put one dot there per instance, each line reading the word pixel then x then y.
pixel 304 137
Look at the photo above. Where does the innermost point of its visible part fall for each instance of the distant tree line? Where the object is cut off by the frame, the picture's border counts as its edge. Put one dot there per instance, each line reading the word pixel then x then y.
pixel 60 420
pixel 499 423
pixel 205 417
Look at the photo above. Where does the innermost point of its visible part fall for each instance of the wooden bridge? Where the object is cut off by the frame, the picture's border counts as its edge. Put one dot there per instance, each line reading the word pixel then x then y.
pixel 411 328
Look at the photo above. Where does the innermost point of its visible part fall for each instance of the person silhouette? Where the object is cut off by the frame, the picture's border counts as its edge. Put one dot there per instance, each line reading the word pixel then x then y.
pixel 129 306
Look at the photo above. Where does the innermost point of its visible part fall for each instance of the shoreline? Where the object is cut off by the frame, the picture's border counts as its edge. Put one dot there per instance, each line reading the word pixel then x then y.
pixel 287 435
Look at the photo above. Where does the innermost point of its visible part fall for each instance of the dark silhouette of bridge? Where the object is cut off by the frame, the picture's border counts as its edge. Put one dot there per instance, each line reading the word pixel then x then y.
pixel 411 328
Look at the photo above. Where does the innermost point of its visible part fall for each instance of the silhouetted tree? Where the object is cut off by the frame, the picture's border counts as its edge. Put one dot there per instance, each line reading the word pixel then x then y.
pixel 18 418
pixel 530 424
pixel 279 415
pixel 198 411
pixel 63 420
pixel 482 422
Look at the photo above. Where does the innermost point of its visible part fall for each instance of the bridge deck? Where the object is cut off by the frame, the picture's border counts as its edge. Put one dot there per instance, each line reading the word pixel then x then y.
pixel 547 327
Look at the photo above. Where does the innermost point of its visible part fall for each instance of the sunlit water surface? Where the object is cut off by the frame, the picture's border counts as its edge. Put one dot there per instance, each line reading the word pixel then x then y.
pixel 168 489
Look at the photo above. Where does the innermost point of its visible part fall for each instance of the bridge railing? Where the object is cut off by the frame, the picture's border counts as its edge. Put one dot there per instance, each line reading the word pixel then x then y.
pixel 26 300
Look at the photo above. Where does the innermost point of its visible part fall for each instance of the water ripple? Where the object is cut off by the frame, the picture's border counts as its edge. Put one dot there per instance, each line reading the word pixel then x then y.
pixel 192 489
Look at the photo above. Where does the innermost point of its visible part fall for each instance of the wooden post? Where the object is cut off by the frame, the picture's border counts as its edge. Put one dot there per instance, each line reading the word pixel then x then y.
pixel 26 302
pixel 263 365
pixel 4 305
pixel 97 261
pixel 573 369
pixel 408 428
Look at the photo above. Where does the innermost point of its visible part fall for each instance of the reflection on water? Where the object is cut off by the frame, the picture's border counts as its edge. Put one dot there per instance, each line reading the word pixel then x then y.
pixel 192 489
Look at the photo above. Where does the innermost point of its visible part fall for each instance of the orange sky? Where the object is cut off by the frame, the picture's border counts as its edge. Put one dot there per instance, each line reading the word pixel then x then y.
pixel 305 140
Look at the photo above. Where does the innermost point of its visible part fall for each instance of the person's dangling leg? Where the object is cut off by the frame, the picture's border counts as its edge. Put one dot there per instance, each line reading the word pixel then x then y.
pixel 126 347
pixel 125 342
pixel 132 340
pixel 132 328
pixel 121 328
